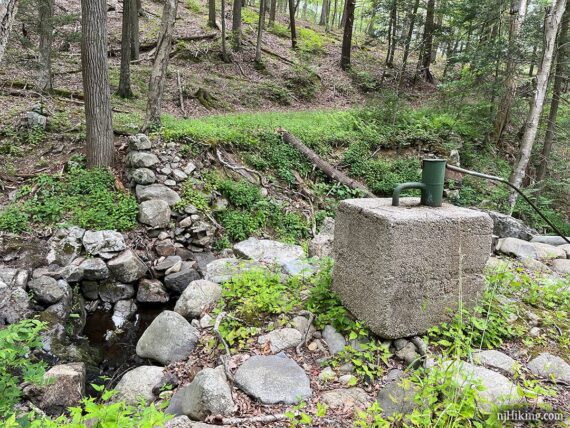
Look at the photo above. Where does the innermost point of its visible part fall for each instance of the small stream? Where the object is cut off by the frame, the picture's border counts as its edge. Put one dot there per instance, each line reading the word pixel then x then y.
pixel 116 352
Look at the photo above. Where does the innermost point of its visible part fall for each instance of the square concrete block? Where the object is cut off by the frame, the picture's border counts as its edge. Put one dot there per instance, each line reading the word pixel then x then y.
pixel 403 270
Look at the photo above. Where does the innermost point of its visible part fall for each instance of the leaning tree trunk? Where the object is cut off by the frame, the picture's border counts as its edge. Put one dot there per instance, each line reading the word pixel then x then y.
pixel 160 65
pixel 518 12
pixel 236 25
pixel 45 11
pixel 135 36
pixel 425 57
pixel 347 36
pixel 97 95
pixel 125 90
pixel 292 24
pixel 392 34
pixel 559 75
pixel 551 27
pixel 225 55
pixel 408 41
pixel 7 13
pixel 212 13
pixel 260 32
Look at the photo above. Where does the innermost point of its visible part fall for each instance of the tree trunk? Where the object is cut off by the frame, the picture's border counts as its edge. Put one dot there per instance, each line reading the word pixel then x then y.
pixel 7 13
pixel 518 11
pixel 324 12
pixel 225 55
pixel 347 36
pixel 45 10
pixel 126 39
pixel 136 7
pixel 334 13
pixel 408 41
pixel 392 34
pixel 552 24
pixel 559 75
pixel 160 64
pixel 292 24
pixel 343 19
pixel 236 24
pixel 212 13
pixel 427 44
pixel 260 32
pixel 97 95
pixel 273 11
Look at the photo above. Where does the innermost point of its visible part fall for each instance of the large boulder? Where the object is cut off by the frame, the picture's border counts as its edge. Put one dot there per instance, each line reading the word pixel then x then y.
pixel 65 386
pixel 127 267
pixel 208 394
pixel 550 367
pixel 322 244
pixel 273 379
pixel 112 291
pixel 268 251
pixel 178 281
pixel 14 304
pixel 103 242
pixel 157 191
pixel 65 246
pixel 136 159
pixel 94 269
pixel 397 397
pixel 495 360
pixel 138 384
pixel 167 339
pixel 197 297
pixel 139 142
pixel 505 226
pixel 547 251
pixel 281 339
pixel 155 213
pixel 561 266
pixel 550 240
pixel 46 290
pixel 517 248
pixel 497 389
pixel 152 291
pixel 223 270
pixel 143 176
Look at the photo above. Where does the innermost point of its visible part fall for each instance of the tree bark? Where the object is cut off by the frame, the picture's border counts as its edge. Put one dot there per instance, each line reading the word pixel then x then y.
pixel 98 119
pixel 273 12
pixel 45 11
pixel 343 19
pixel 408 42
pixel 212 13
pixel 552 25
pixel 136 7
pixel 292 24
pixel 324 12
pixel 347 36
pixel 7 13
pixel 160 64
pixel 392 34
pixel 559 75
pixel 225 55
pixel 236 24
pixel 518 12
pixel 125 90
pixel 425 57
pixel 260 32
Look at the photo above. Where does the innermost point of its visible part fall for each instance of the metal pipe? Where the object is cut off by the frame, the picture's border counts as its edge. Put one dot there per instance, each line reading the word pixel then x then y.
pixel 404 186
pixel 519 191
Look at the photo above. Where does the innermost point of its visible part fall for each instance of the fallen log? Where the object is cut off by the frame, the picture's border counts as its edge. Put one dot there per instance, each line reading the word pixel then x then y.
pixel 147 47
pixel 324 166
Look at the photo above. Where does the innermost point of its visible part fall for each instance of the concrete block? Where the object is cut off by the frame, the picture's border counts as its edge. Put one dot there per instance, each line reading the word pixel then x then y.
pixel 404 269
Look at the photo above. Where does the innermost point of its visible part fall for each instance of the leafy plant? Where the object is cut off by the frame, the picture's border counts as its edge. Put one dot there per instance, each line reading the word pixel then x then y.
pixel 17 363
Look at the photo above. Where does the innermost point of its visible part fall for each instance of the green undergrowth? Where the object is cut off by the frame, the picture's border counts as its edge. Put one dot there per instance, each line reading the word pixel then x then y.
pixel 81 197
pixel 248 213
